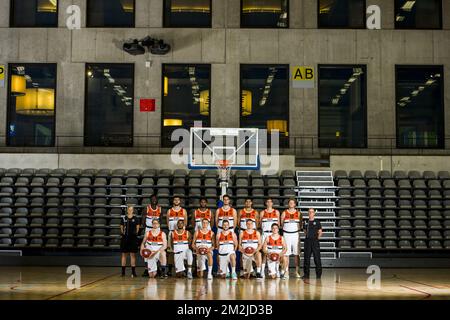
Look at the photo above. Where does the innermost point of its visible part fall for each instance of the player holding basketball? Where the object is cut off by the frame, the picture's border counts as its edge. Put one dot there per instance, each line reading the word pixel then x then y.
pixel 291 222
pixel 155 241
pixel 267 218
pixel 175 214
pixel 274 248
pixel 250 246
pixel 202 213
pixel 227 244
pixel 247 213
pixel 179 241
pixel 203 245
pixel 226 213
pixel 152 211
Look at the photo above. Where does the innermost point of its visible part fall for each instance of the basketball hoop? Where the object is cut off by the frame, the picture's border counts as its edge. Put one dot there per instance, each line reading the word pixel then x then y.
pixel 224 167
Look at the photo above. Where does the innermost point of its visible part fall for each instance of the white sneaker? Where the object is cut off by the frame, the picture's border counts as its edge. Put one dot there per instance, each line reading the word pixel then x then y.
pixel 285 276
pixel 189 275
pixel 298 275
pixel 210 277
pixel 278 274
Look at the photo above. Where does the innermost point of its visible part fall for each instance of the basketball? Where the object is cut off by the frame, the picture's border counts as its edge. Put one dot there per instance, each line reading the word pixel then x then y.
pixel 274 256
pixel 146 253
pixel 249 250
pixel 203 250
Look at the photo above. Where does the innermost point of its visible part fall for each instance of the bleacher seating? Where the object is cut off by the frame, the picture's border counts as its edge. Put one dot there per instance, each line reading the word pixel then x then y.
pixel 80 209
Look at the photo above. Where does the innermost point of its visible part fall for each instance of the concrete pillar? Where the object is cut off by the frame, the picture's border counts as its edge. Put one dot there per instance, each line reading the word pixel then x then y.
pixel 233 13
pixel 4 15
pixel 142 13
pixel 219 14
pixel 83 6
pixel 155 13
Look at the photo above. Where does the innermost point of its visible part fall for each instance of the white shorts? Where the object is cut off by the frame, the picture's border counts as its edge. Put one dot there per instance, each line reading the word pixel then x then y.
pixel 292 243
pixel 247 263
pixel 201 262
pixel 152 263
pixel 224 261
pixel 179 259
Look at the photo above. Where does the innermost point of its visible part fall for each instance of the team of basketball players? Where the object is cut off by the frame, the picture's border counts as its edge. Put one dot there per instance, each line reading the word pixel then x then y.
pixel 256 235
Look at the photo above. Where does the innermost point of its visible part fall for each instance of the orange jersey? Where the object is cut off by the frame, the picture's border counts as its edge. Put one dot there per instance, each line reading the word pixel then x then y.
pixel 180 241
pixel 244 215
pixel 226 243
pixel 249 239
pixel 199 216
pixel 154 242
pixel 174 216
pixel 269 218
pixel 203 239
pixel 151 215
pixel 292 220
pixel 225 215
pixel 275 245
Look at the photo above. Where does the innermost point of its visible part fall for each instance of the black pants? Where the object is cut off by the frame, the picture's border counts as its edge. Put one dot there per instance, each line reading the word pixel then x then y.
pixel 312 246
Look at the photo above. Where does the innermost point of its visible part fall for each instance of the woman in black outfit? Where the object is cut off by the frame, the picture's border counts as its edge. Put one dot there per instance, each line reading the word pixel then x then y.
pixel 129 228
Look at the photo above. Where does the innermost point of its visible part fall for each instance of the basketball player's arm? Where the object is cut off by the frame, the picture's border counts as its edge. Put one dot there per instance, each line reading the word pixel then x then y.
pixel 283 252
pixel 235 218
pixel 264 248
pixel 240 243
pixel 194 247
pixel 235 241
pixel 164 246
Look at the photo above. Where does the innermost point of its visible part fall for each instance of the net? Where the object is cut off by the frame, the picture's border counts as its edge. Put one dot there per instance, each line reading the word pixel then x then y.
pixel 224 167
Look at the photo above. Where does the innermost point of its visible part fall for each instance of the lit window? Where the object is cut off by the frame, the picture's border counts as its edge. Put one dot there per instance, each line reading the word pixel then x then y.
pixel 418 14
pixel 264 14
pixel 110 13
pixel 342 14
pixel 34 13
pixel 187 13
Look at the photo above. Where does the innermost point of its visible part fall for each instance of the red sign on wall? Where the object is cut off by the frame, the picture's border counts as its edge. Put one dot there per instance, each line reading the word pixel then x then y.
pixel 147 105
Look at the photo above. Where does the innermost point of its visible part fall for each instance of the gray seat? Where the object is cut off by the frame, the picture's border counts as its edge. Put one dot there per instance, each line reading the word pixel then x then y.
pixel 374 224
pixel 374 234
pixel 359 244
pixel 344 234
pixel 419 194
pixel 83 243
pixel 389 183
pixel 21 222
pixel 344 224
pixel 375 244
pixel 374 183
pixel 414 175
pixel 419 204
pixel 37 182
pixel 37 222
pixel 344 193
pixel 356 174
pixel 359 183
pixel 434 194
pixel 434 214
pixel 420 234
pixel 404 234
pixel 374 203
pixel 5 242
pixel 435 224
pixel 444 175
pixel 68 222
pixel 404 224
pixel 195 182
pixel 344 244
pixel 100 212
pixel 20 233
pixel 389 224
pixel 21 212
pixel 99 243
pixel 359 214
pixel 404 244
pixel 20 242
pixel 340 174
pixel 52 243
pixel 370 174
pixel 68 182
pixel 389 214
pixel 5 222
pixel 404 214
pixel 404 194
pixel 36 243
pixel 420 244
pixel 434 204
pixel 22 182
pixel 419 224
pixel 359 234
pixel 344 183
pixel 97 182
pixel 84 212
pixel 390 244
pixel 68 233
pixel 419 214
pixel 106 173
pixel 68 243
pixel 84 222
pixel 374 214
pixel 435 244
pixel 358 203
pixel 53 182
pixel 344 213
pixel 359 193
pixel 389 204
pixel 52 222
pixel 435 234
pixel 374 193
pixel 52 233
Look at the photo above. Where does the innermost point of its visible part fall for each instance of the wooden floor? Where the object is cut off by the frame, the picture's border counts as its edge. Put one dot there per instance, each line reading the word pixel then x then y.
pixel 49 283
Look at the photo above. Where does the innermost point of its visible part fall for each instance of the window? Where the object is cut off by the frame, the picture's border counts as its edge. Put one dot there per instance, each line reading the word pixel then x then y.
pixel 110 13
pixel 109 105
pixel 186 98
pixel 31 105
pixel 187 13
pixel 420 106
pixel 419 14
pixel 342 106
pixel 34 13
pixel 265 99
pixel 342 14
pixel 264 14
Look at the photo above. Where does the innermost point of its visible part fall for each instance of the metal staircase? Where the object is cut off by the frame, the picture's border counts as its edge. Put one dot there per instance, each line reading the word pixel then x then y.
pixel 316 189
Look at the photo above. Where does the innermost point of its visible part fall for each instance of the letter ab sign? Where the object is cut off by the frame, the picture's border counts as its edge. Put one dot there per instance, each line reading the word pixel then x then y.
pixel 303 77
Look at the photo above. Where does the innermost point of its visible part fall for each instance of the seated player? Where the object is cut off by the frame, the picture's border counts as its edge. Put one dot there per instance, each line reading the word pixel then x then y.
pixel 176 213
pixel 226 213
pixel 247 213
pixel 291 221
pixel 226 245
pixel 250 246
pixel 202 213
pixel 152 211
pixel 156 241
pixel 274 248
pixel 179 241
pixel 203 244
pixel 267 218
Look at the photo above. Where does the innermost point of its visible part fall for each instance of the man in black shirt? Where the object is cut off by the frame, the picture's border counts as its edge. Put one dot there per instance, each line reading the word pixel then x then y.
pixel 313 232
pixel 129 228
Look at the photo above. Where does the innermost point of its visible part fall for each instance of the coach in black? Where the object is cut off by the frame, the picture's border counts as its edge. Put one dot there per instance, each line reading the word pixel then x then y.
pixel 313 232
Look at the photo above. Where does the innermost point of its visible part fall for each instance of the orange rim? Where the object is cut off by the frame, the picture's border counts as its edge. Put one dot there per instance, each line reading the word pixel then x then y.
pixel 223 163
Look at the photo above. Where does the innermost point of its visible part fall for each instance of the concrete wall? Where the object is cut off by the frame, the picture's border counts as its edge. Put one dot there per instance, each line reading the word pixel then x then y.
pixel 225 46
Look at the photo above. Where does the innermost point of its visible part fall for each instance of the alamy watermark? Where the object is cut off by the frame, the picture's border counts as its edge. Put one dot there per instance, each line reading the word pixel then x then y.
pixel 74 280
pixel 374 280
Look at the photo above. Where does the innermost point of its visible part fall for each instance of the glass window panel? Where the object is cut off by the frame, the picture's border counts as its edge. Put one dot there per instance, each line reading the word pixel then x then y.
pixel 342 14
pixel 34 13
pixel 420 107
pixel 264 14
pixel 109 105
pixel 187 13
pixel 186 98
pixel 110 13
pixel 418 14
pixel 265 99
pixel 342 106
pixel 31 107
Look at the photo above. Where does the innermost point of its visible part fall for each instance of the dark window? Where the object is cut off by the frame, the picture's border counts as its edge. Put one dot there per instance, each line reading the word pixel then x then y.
pixel 110 13
pixel 265 99
pixel 342 14
pixel 420 106
pixel 31 105
pixel 187 13
pixel 342 106
pixel 264 14
pixel 419 14
pixel 109 105
pixel 186 98
pixel 34 13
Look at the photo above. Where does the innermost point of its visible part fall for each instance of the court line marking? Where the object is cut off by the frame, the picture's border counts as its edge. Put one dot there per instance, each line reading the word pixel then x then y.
pixel 417 282
pixel 81 287
pixel 427 295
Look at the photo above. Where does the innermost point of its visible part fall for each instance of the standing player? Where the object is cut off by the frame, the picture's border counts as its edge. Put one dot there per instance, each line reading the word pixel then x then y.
pixel 291 221
pixel 248 213
pixel 202 213
pixel 156 241
pixel 179 241
pixel 274 248
pixel 267 218
pixel 175 214
pixel 226 213
pixel 152 211
pixel 250 246
pixel 203 245
pixel 129 228
pixel 227 244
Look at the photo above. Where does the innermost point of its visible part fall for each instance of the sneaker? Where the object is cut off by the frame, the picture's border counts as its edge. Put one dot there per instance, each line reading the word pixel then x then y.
pixel 298 275
pixel 278 274
pixel 210 277
pixel 234 276
pixel 285 276
pixel 189 275
pixel 259 276
pixel 145 274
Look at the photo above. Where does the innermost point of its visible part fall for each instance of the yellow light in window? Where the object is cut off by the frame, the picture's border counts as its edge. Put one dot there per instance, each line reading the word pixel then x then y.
pixel 338 134
pixel 186 6
pixel 204 103
pixel 280 125
pixel 48 6
pixel 246 102
pixel 127 6
pixel 36 101
pixel 18 85
pixel 173 122
pixel 166 86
